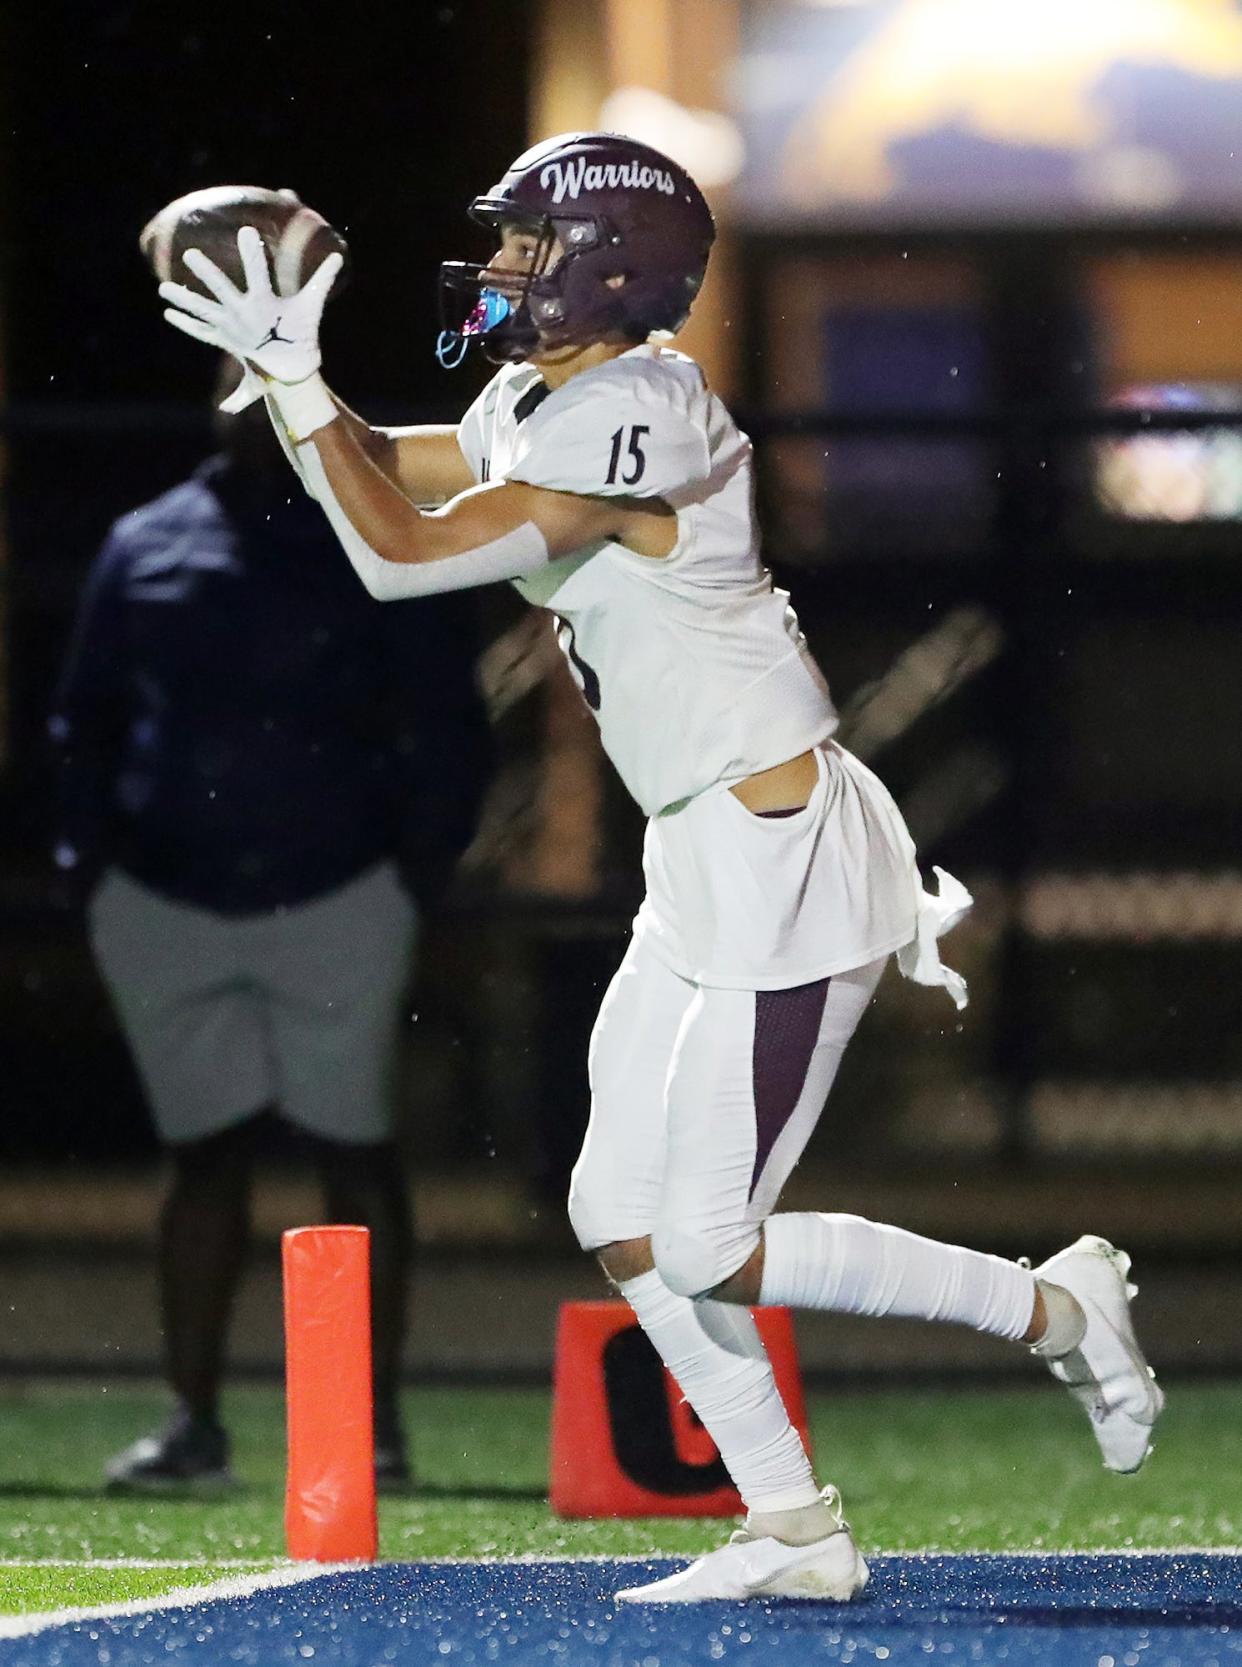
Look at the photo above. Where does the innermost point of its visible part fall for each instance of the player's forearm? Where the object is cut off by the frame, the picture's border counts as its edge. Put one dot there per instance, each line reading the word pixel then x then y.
pixel 436 569
pixel 377 446
pixel 484 535
pixel 424 460
pixel 368 497
pixel 376 443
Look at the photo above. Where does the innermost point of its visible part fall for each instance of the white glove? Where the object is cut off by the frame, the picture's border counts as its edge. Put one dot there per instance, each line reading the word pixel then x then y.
pixel 278 335
pixel 248 392
pixel 250 388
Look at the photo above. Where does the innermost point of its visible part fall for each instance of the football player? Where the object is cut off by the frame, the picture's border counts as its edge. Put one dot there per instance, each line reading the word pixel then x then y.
pixel 599 474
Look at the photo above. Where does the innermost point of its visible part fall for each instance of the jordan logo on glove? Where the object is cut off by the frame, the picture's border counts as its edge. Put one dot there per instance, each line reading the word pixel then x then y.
pixel 248 322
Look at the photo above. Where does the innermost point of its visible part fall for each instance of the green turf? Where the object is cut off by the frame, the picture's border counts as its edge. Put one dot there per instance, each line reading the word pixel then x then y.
pixel 1012 1469
pixel 52 1586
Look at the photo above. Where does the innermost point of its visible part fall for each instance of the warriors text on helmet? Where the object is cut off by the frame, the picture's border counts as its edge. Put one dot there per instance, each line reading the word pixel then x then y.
pixel 568 179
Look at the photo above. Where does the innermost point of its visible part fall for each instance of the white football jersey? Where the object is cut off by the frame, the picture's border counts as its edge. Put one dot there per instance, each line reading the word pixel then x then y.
pixel 694 665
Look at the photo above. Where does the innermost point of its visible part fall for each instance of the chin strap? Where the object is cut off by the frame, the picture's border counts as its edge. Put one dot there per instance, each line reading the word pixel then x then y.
pixel 451 348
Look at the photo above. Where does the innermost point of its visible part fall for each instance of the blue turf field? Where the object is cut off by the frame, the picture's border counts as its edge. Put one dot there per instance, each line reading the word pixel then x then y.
pixel 1099 1610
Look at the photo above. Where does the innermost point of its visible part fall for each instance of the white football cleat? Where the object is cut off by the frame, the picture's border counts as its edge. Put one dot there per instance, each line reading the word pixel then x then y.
pixel 1106 1374
pixel 766 1568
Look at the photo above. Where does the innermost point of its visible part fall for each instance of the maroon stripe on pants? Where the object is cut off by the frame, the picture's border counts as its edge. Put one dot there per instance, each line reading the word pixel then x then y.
pixel 786 1030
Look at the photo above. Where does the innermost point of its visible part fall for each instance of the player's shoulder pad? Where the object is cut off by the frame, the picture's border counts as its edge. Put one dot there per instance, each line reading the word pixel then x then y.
pixel 634 427
pixel 474 431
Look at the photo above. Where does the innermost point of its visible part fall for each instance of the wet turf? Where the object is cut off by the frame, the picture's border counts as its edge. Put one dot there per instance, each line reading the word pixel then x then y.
pixel 926 1470
pixel 1080 1608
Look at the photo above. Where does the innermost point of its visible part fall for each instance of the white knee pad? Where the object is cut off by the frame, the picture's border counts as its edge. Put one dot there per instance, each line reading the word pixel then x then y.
pixel 586 1213
pixel 596 1213
pixel 693 1261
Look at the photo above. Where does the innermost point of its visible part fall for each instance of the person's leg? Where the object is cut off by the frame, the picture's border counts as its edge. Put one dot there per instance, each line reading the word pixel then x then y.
pixel 195 1027
pixel 204 1238
pixel 365 1186
pixel 334 972
pixel 753 1073
pixel 853 1266
pixel 750 1074
pixel 714 1352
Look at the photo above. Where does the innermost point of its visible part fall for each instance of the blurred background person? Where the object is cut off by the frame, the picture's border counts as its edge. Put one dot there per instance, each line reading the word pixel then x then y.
pixel 266 779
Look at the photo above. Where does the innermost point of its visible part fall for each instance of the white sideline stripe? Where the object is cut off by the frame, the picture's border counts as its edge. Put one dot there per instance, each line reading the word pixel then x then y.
pixel 182 1597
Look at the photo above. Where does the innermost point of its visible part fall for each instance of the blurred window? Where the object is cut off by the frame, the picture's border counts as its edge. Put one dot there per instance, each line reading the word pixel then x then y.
pixel 891 344
pixel 1140 764
pixel 1168 338
pixel 1166 318
pixel 1194 475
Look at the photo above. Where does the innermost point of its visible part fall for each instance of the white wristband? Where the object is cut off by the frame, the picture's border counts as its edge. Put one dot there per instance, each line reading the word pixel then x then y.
pixel 304 407
pixel 282 435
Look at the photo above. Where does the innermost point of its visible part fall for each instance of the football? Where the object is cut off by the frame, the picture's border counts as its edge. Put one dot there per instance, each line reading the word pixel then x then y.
pixel 297 239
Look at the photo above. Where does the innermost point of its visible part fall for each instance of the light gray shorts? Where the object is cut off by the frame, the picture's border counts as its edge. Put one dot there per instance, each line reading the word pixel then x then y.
pixel 298 1009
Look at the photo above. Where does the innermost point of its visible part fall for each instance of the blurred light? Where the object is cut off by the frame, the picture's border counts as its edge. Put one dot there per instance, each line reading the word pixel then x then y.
pixel 1136 177
pixel 1016 77
pixel 1062 40
pixel 1134 908
pixel 965 1119
pixel 958 785
pixel 1196 476
pixel 926 673
pixel 706 144
pixel 1137 1117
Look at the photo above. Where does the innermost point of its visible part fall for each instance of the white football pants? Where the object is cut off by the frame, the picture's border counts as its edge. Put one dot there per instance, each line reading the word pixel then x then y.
pixel 702 1101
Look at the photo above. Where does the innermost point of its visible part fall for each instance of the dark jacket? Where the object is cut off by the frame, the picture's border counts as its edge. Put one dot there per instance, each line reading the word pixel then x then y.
pixel 240 726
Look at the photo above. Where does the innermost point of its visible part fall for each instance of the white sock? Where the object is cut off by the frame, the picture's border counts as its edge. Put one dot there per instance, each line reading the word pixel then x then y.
pixel 854 1266
pixel 715 1352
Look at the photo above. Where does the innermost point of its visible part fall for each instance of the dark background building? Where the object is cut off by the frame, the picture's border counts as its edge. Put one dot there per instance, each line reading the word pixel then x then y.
pixel 997 407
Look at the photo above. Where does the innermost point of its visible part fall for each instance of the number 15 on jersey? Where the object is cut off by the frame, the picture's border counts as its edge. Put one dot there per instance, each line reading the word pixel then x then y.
pixel 633 455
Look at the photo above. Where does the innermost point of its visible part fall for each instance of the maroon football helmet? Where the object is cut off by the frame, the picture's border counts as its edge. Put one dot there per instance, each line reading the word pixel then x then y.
pixel 619 210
